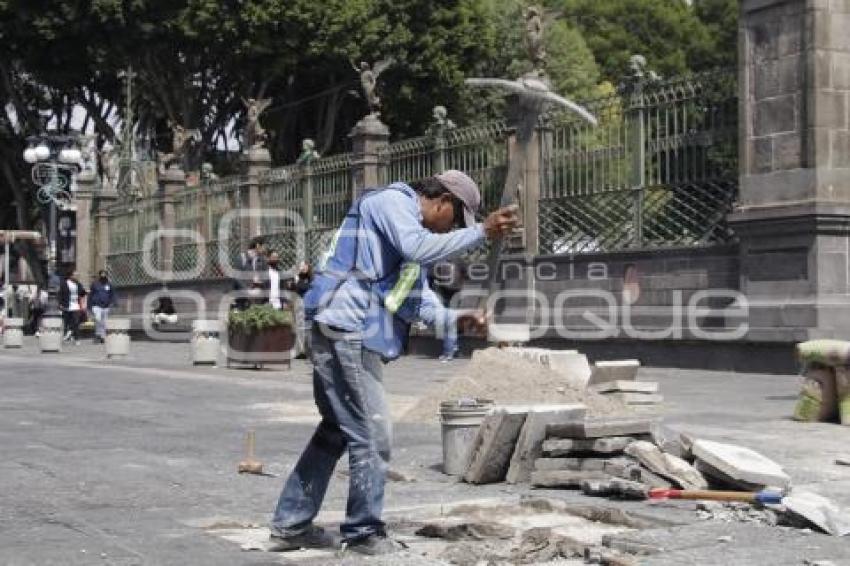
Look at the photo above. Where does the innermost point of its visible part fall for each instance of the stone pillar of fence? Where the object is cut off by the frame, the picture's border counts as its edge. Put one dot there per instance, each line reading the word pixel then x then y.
pixel 257 161
pixel 105 198
pixel 368 138
pixel 87 182
pixel 793 214
pixel 173 181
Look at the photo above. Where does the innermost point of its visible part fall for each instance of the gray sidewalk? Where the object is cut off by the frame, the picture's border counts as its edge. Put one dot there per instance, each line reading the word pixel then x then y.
pixel 134 461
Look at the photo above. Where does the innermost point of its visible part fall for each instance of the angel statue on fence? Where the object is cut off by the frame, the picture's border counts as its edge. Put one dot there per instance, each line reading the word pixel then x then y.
pixel 253 135
pixel 369 81
pixel 534 36
pixel 181 139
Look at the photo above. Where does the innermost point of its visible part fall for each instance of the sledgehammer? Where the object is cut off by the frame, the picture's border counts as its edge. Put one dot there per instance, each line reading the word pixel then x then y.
pixel 762 497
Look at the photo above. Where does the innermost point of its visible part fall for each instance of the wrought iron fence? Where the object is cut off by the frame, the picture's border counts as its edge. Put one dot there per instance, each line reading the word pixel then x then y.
pixel 659 171
pixel 128 225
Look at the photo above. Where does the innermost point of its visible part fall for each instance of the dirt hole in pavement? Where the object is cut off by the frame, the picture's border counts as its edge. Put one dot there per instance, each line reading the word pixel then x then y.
pixel 530 531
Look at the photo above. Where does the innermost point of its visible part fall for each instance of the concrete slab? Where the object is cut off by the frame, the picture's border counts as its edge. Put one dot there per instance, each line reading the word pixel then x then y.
pixel 614 370
pixel 819 511
pixel 529 445
pixel 564 478
pixel 558 447
pixel 626 386
pixel 741 463
pixel 598 427
pixel 584 464
pixel 636 398
pixel 493 445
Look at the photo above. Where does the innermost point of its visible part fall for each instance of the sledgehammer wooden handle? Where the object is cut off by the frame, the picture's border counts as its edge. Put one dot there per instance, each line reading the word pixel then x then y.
pixel 711 495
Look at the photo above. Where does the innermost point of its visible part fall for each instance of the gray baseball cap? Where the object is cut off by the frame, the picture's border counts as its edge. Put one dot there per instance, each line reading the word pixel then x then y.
pixel 464 188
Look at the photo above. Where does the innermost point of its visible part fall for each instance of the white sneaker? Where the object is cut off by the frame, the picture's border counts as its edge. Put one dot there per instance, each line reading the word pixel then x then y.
pixel 67 337
pixel 37 333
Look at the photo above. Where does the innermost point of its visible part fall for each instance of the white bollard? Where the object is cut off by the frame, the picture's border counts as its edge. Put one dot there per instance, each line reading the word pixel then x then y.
pixel 13 333
pixel 206 341
pixel 117 337
pixel 50 338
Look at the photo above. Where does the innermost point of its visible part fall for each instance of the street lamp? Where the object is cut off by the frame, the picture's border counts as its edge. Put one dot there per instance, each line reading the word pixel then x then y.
pixel 55 159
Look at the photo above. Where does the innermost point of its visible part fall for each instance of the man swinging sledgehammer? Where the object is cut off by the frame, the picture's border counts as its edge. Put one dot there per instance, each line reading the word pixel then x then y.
pixel 371 287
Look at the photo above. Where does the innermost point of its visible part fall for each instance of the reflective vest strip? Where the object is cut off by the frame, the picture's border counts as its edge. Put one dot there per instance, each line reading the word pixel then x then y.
pixel 406 279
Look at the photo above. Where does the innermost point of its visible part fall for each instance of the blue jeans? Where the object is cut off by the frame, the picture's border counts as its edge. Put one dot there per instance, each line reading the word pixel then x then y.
pixel 349 393
pixel 450 340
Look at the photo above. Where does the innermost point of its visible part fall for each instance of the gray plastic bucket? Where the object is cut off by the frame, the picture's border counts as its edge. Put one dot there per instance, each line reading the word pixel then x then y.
pixel 460 420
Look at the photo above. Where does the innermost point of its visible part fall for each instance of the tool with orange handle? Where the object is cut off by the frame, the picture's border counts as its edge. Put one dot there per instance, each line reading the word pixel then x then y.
pixel 763 497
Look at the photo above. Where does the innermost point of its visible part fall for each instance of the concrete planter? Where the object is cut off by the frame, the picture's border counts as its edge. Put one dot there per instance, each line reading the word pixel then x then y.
pixel 259 347
pixel 206 341
pixel 117 337
pixel 13 333
pixel 50 339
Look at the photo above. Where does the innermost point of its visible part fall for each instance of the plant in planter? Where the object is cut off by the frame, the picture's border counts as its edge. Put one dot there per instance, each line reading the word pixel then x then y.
pixel 258 317
pixel 259 329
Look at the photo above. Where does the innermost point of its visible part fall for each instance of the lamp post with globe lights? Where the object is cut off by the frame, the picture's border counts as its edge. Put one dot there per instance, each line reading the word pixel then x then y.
pixel 55 159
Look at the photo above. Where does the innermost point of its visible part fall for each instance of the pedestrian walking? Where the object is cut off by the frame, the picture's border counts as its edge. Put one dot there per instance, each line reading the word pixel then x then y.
pixel 101 299
pixel 72 304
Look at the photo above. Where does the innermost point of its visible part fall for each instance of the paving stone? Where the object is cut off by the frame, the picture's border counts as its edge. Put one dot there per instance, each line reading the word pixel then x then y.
pixel 599 427
pixel 493 446
pixel 597 488
pixel 542 464
pixel 626 386
pixel 614 371
pixel 571 446
pixel 636 398
pixel 718 479
pixel 529 444
pixel 819 511
pixel 586 464
pixel 741 463
pixel 669 441
pixel 667 466
pixel 564 478
pixel 627 489
pixel 573 365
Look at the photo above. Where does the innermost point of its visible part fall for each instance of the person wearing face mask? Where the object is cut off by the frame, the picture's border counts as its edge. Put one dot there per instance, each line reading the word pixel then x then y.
pixel 101 299
pixel 273 284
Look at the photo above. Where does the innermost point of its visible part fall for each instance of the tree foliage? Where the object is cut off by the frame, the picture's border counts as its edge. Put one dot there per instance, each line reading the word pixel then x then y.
pixel 669 33
pixel 197 59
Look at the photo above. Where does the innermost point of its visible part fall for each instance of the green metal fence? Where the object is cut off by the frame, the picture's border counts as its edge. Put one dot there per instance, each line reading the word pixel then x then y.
pixel 128 226
pixel 659 171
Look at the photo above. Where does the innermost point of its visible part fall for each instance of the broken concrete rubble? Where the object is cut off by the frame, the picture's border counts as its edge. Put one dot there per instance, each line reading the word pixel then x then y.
pixel 666 465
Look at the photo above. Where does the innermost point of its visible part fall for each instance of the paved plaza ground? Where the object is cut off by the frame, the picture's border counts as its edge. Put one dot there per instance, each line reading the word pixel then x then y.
pixel 134 461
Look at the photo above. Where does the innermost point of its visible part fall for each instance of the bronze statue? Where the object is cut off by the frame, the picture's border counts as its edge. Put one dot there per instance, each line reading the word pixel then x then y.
pixel 253 135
